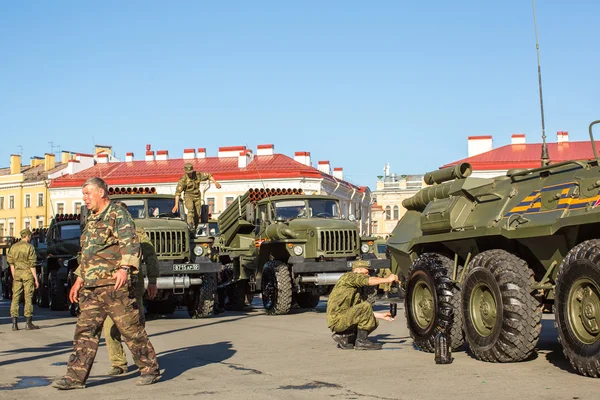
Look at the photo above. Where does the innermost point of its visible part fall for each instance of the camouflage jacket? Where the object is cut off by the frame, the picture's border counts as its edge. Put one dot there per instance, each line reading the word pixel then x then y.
pixel 148 255
pixel 344 295
pixel 21 255
pixel 108 241
pixel 191 186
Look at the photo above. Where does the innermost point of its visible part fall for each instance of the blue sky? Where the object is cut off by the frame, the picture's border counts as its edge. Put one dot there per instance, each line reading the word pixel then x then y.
pixel 353 82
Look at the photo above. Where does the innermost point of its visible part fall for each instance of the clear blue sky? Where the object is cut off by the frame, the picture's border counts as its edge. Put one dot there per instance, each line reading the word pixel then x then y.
pixel 356 83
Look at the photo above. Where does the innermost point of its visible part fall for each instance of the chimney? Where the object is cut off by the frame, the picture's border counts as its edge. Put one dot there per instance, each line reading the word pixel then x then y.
pixel 562 137
pixel 149 154
pixel 129 157
pixel 162 155
pixel 303 157
pixel 102 149
pixel 230 151
pixel 102 158
pixel 15 164
pixel 35 161
pixel 189 154
pixel 73 167
pixel 517 138
pixel 244 158
pixel 65 156
pixel 265 150
pixel 48 161
pixel 201 153
pixel 324 167
pixel 338 173
pixel 479 144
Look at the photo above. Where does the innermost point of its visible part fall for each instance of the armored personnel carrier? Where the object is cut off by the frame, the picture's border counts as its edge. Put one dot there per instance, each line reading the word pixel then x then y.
pixel 482 257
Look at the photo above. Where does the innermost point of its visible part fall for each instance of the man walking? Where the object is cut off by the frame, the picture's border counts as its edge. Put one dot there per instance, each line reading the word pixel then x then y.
pixel 109 252
pixel 349 317
pixel 190 185
pixel 21 258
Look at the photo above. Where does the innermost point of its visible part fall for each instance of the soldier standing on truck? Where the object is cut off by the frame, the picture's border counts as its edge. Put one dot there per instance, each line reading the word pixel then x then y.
pixel 190 184
pixel 350 318
pixel 21 258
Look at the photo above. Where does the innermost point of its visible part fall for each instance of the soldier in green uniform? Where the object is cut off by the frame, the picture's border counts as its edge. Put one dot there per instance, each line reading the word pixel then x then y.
pixel 190 184
pixel 116 354
pixel 21 258
pixel 109 254
pixel 348 316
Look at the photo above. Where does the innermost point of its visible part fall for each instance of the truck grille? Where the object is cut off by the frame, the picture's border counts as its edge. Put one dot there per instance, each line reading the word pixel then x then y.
pixel 169 244
pixel 338 241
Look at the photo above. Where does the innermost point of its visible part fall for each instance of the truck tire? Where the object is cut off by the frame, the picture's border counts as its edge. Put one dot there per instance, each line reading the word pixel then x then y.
pixel 369 294
pixel 502 318
pixel 577 303
pixel 307 300
pixel 202 302
pixel 42 292
pixel 432 301
pixel 236 294
pixel 161 307
pixel 7 285
pixel 276 288
pixel 56 289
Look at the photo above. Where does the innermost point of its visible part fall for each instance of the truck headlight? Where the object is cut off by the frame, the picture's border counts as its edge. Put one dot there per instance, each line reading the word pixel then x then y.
pixel 298 250
pixel 364 248
pixel 66 263
pixel 198 250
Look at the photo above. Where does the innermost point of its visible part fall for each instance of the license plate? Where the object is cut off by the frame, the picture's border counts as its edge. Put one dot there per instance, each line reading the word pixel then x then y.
pixel 186 267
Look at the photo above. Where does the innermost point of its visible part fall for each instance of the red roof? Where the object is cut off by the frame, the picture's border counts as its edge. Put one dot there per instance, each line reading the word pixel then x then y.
pixel 169 171
pixel 527 155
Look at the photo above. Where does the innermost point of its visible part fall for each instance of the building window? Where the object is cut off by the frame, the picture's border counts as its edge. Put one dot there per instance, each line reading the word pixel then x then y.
pixel 396 212
pixel 388 213
pixel 27 200
pixel 11 229
pixel 40 224
pixel 60 208
pixel 27 224
pixel 11 202
pixel 77 207
pixel 228 201
pixel 40 202
pixel 211 205
pixel 1 228
pixel 375 227
pixel 2 203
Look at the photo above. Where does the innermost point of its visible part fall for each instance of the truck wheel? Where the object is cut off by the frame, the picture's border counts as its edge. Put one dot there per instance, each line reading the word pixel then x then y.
pixel 58 295
pixel 236 294
pixel 42 293
pixel 432 301
pixel 577 306
pixel 7 285
pixel 502 318
pixel 276 288
pixel 307 300
pixel 369 294
pixel 203 300
pixel 161 307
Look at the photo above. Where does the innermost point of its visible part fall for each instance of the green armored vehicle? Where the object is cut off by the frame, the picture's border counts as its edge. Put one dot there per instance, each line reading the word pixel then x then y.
pixel 187 273
pixel 494 252
pixel 288 246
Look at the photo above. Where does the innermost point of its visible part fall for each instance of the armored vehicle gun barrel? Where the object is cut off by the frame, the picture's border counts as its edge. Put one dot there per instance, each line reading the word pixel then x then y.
pixel 426 195
pixel 459 171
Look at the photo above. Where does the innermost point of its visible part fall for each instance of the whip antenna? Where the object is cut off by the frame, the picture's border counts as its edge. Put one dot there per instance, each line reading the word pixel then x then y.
pixel 545 156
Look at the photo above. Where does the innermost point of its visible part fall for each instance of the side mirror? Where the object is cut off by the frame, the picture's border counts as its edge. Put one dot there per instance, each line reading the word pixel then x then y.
pixel 204 214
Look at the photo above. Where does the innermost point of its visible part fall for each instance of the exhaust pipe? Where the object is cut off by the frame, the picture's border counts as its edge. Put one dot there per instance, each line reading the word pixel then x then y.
pixel 175 282
pixel 322 279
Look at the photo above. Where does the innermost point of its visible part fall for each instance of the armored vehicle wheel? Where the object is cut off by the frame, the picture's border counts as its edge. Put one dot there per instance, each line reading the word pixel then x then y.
pixel 276 288
pixel 502 319
pixel 161 307
pixel 237 294
pixel 431 300
pixel 58 295
pixel 369 293
pixel 42 293
pixel 307 300
pixel 577 306
pixel 203 299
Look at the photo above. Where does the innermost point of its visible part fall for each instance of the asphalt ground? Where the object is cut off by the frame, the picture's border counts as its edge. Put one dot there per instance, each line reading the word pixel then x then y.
pixel 249 355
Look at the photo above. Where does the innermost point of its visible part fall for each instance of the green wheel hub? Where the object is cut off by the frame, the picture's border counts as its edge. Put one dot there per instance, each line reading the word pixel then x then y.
pixel 423 305
pixel 483 309
pixel 584 310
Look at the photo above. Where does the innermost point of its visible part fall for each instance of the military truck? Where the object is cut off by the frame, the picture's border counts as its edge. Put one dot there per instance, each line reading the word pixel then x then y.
pixel 5 275
pixel 187 274
pixel 484 255
pixel 288 246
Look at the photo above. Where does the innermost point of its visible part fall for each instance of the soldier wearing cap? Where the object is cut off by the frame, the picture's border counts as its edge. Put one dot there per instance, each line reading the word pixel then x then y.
pixel 190 184
pixel 349 317
pixel 21 258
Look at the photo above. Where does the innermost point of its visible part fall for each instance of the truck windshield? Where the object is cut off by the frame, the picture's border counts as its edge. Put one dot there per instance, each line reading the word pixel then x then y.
pixel 136 208
pixel 317 208
pixel 324 208
pixel 70 232
pixel 161 208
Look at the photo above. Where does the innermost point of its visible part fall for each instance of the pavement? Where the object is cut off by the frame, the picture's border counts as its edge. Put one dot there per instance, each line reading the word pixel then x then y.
pixel 250 355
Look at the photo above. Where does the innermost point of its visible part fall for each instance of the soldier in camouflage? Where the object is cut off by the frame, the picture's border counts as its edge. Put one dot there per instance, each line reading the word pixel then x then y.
pixel 190 185
pixel 21 258
pixel 116 354
pixel 109 253
pixel 349 317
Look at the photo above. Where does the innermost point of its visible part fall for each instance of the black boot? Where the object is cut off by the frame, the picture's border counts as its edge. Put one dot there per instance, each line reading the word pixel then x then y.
pixel 29 325
pixel 343 341
pixel 363 342
pixel 15 326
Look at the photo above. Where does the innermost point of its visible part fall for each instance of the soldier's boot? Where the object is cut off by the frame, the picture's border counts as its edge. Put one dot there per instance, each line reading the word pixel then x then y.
pixel 15 326
pixel 67 384
pixel 343 341
pixel 117 370
pixel 29 325
pixel 148 379
pixel 363 342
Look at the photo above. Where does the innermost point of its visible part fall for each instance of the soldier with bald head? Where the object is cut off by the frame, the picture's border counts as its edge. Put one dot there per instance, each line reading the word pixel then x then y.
pixel 21 258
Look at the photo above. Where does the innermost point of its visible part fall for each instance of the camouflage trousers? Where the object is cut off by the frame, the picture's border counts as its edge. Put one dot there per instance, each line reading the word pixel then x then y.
pixel 23 282
pixel 358 316
pixel 95 305
pixel 116 353
pixel 194 208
